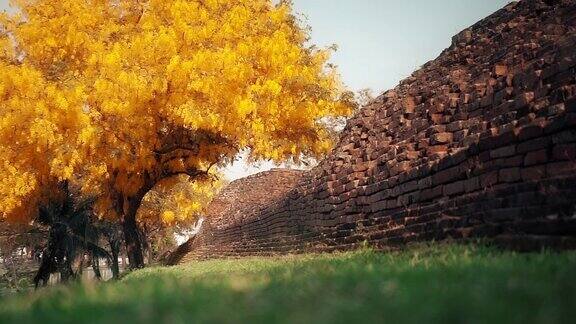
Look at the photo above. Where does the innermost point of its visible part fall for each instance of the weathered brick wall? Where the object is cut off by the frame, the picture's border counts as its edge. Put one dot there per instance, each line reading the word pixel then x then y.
pixel 480 142
pixel 243 197
pixel 238 201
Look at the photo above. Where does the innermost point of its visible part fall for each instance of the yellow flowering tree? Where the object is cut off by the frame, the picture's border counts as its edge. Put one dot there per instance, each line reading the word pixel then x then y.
pixel 131 92
pixel 42 131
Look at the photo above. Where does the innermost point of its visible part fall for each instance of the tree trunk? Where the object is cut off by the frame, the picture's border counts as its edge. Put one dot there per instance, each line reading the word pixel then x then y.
pixel 96 266
pixel 66 272
pixel 81 265
pixel 114 262
pixel 129 207
pixel 64 253
pixel 150 255
pixel 145 245
pixel 132 240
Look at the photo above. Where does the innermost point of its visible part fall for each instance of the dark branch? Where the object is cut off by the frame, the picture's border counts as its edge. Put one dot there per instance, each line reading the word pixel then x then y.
pixel 193 148
pixel 192 173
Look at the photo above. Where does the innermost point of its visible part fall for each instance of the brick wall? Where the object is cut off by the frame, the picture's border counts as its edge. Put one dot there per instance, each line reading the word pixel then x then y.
pixel 243 198
pixel 480 142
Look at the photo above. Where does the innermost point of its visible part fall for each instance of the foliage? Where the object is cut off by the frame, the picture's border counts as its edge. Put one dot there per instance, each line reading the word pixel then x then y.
pixel 121 95
pixel 177 202
pixel 147 89
pixel 41 128
pixel 424 284
pixel 171 209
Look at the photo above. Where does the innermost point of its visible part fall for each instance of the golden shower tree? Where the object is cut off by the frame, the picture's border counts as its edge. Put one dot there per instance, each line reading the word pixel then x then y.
pixel 127 93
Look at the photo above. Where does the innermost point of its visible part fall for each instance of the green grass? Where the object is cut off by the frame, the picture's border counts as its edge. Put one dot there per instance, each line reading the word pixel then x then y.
pixel 424 284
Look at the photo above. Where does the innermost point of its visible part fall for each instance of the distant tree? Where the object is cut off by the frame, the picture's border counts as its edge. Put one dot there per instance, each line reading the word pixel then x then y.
pixel 112 235
pixel 364 97
pixel 20 244
pixel 336 124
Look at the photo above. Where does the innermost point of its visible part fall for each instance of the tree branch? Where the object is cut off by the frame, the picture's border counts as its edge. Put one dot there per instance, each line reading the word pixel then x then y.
pixel 192 173
pixel 193 148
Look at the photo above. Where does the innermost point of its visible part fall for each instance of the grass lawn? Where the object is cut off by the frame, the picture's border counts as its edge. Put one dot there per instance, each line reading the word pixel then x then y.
pixel 425 284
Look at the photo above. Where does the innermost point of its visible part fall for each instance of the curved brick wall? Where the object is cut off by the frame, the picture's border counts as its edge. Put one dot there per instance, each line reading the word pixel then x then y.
pixel 480 142
pixel 243 198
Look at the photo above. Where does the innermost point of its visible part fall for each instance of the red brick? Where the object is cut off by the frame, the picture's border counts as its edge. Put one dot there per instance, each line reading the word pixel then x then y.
pixel 447 175
pixel 399 168
pixel 454 188
pixel 564 152
pixel 524 99
pixel 561 168
pixel 455 126
pixel 533 173
pixel 509 175
pixel 472 184
pixel 428 194
pixel 412 155
pixel 360 167
pixel 510 162
pixel 489 179
pixel 409 105
pixel 536 157
pixel 503 152
pixel 437 149
pixel 496 141
pixel 441 138
pixel 460 135
pixel 425 183
pixel 567 136
pixel 533 144
pixel 529 132
pixel 484 156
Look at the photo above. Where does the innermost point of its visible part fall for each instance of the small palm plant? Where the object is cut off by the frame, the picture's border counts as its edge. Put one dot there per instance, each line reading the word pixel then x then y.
pixel 73 234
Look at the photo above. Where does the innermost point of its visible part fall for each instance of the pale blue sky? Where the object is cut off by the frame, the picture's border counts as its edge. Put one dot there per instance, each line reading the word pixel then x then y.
pixel 381 41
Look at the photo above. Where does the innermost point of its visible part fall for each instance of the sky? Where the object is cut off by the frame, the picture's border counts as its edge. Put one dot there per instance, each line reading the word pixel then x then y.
pixel 380 42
